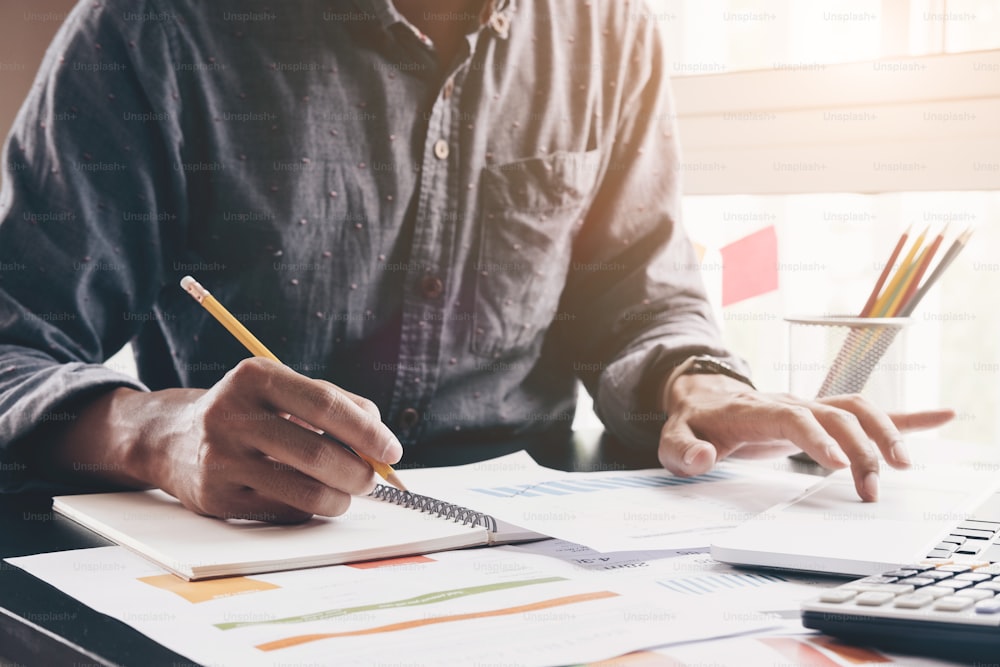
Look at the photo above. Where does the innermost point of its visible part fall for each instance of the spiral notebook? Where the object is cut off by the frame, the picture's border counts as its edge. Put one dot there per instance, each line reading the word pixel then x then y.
pixel 386 524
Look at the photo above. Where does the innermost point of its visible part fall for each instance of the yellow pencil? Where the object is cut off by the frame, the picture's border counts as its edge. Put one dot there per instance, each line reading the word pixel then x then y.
pixel 908 273
pixel 258 349
pixel 882 304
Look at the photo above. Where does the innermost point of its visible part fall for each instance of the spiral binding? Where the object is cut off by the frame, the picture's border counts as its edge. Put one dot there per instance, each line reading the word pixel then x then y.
pixel 434 506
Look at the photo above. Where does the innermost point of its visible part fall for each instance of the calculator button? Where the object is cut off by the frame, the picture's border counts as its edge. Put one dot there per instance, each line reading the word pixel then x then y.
pixel 991 606
pixel 899 574
pixel 948 546
pixel 919 567
pixel 954 584
pixel 953 538
pixel 914 600
pixel 882 579
pixel 891 589
pixel 937 574
pixel 954 568
pixel 992 554
pixel 993 568
pixel 917 581
pixel 940 553
pixel 938 591
pixel 875 598
pixel 953 603
pixel 974 576
pixel 989 586
pixel 837 595
pixel 975 593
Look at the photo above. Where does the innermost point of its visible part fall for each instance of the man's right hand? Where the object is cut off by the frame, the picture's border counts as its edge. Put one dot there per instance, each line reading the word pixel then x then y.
pixel 232 451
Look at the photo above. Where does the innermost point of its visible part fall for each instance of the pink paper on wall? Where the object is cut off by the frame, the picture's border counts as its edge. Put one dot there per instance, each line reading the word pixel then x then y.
pixel 750 266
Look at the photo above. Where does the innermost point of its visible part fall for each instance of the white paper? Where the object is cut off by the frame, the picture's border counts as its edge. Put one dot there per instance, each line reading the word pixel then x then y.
pixel 771 650
pixel 422 610
pixel 614 510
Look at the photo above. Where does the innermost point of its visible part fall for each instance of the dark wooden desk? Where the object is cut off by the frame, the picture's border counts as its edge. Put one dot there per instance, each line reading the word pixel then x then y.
pixel 40 625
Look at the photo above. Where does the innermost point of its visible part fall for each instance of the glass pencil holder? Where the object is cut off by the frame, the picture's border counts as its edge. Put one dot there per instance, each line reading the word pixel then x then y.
pixel 834 355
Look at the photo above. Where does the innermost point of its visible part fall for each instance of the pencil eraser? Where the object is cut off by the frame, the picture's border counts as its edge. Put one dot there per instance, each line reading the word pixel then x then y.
pixel 188 282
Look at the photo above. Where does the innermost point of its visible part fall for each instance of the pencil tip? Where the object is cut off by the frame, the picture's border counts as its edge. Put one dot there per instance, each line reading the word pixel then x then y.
pixel 393 479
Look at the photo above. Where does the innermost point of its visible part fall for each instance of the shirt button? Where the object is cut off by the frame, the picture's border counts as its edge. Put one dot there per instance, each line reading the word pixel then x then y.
pixel 441 149
pixel 409 418
pixel 449 88
pixel 500 24
pixel 431 287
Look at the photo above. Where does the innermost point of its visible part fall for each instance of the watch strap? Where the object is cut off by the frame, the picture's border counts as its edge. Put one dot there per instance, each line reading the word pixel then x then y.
pixel 704 364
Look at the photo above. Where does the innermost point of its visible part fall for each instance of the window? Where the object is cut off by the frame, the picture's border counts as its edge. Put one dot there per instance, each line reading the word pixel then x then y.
pixel 840 124
pixel 713 36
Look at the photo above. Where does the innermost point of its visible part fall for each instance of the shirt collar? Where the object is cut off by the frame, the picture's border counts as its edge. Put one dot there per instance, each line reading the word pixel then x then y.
pixel 496 14
pixel 383 11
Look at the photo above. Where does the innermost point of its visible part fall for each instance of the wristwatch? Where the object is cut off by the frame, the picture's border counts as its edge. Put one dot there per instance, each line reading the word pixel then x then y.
pixel 704 364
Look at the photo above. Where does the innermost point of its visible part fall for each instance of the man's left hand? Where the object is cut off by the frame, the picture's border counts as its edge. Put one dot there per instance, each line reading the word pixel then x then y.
pixel 711 417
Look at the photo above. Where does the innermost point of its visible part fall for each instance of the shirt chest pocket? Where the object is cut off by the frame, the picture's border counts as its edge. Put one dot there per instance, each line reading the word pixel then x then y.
pixel 531 210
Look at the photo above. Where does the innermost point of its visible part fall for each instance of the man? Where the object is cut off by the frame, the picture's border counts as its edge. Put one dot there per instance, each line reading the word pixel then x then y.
pixel 443 216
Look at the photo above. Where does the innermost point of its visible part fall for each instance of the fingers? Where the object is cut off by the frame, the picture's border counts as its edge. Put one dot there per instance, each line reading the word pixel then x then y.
pixel 765 422
pixel 920 420
pixel 319 458
pixel 362 402
pixel 876 425
pixel 268 447
pixel 294 473
pixel 681 452
pixel 321 405
pixel 245 503
pixel 714 422
pixel 797 423
pixel 846 428
pixel 282 485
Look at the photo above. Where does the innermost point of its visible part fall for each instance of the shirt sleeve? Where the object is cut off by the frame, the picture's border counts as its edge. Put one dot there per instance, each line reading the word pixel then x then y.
pixel 84 231
pixel 635 296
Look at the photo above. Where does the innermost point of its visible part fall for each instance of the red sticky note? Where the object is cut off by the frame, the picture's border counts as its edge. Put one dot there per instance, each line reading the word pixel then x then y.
pixel 750 266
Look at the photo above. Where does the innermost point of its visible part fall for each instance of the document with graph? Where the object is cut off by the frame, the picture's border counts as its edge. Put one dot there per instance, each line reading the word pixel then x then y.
pixel 481 606
pixel 614 510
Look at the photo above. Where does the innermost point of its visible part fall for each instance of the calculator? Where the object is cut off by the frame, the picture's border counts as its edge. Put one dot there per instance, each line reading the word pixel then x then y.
pixel 936 608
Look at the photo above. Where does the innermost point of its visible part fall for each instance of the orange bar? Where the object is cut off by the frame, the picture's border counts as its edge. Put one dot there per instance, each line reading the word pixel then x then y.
pixel 390 562
pixel 407 625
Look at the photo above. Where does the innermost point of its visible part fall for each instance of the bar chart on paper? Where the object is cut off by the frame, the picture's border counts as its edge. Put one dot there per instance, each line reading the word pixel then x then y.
pixel 713 583
pixel 571 486
pixel 615 510
pixel 455 608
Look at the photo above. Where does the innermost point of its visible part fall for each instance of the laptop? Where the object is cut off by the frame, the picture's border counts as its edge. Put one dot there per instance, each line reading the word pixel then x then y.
pixel 948 511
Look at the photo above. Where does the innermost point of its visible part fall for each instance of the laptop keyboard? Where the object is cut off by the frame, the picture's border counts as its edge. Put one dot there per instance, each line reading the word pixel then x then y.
pixel 974 538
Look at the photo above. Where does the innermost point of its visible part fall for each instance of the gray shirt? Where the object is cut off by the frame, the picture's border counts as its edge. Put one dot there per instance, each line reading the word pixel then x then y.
pixel 458 243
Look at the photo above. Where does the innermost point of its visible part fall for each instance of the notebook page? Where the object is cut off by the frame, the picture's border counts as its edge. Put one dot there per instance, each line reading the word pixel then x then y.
pixel 157 526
